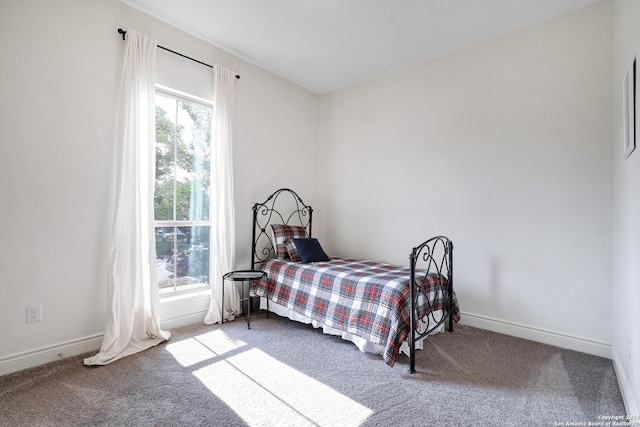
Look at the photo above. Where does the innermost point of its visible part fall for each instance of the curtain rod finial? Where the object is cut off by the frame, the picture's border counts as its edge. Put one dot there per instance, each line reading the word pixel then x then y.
pixel 121 31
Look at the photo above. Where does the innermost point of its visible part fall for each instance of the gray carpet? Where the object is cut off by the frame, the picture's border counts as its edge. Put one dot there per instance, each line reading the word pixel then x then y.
pixel 284 373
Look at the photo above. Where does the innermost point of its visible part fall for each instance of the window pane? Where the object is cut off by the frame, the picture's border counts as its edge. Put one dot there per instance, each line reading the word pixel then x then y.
pixel 193 159
pixel 182 256
pixel 166 135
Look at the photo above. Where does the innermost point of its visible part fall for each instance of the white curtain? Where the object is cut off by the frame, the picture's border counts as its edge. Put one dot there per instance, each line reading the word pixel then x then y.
pixel 222 206
pixel 133 322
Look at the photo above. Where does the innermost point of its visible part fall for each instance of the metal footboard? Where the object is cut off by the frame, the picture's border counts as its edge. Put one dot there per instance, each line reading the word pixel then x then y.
pixel 433 258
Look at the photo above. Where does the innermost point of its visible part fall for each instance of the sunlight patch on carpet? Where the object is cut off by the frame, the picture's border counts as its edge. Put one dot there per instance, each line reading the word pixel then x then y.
pixel 203 347
pixel 264 391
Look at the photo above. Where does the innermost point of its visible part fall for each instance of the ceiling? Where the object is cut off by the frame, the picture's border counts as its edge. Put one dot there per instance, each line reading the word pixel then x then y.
pixel 325 45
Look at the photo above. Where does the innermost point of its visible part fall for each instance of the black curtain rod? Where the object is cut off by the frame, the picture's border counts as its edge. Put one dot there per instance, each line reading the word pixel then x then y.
pixel 123 32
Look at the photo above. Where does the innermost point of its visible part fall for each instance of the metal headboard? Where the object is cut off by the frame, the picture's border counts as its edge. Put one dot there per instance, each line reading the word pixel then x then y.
pixel 282 207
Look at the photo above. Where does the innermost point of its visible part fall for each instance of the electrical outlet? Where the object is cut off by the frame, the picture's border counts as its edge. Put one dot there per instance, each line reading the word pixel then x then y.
pixel 34 313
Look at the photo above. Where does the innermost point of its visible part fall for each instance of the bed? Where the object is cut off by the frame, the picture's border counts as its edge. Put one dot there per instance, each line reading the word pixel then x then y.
pixel 368 303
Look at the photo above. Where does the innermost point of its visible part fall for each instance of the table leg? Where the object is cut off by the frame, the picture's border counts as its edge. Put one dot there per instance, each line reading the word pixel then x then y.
pixel 248 303
pixel 222 300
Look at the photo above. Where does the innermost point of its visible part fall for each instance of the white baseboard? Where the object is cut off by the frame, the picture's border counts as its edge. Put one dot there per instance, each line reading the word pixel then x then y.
pixel 557 339
pixel 632 407
pixel 40 356
pixel 44 355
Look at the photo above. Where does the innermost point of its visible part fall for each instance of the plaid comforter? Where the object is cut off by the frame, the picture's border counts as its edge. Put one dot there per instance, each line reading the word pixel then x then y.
pixel 364 298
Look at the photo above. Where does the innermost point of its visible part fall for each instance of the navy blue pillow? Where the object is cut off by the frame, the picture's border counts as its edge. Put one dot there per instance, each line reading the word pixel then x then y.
pixel 310 250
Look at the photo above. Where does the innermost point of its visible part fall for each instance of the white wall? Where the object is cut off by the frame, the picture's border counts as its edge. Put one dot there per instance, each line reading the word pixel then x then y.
pixel 59 81
pixel 505 147
pixel 626 215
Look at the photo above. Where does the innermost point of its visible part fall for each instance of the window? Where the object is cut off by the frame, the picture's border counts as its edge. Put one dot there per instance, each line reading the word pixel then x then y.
pixel 181 199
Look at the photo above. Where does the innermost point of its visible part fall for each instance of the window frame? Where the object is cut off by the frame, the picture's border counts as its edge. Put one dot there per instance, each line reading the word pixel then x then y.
pixel 195 287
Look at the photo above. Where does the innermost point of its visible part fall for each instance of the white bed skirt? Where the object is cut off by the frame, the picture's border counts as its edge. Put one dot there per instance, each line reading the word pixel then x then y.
pixel 362 344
